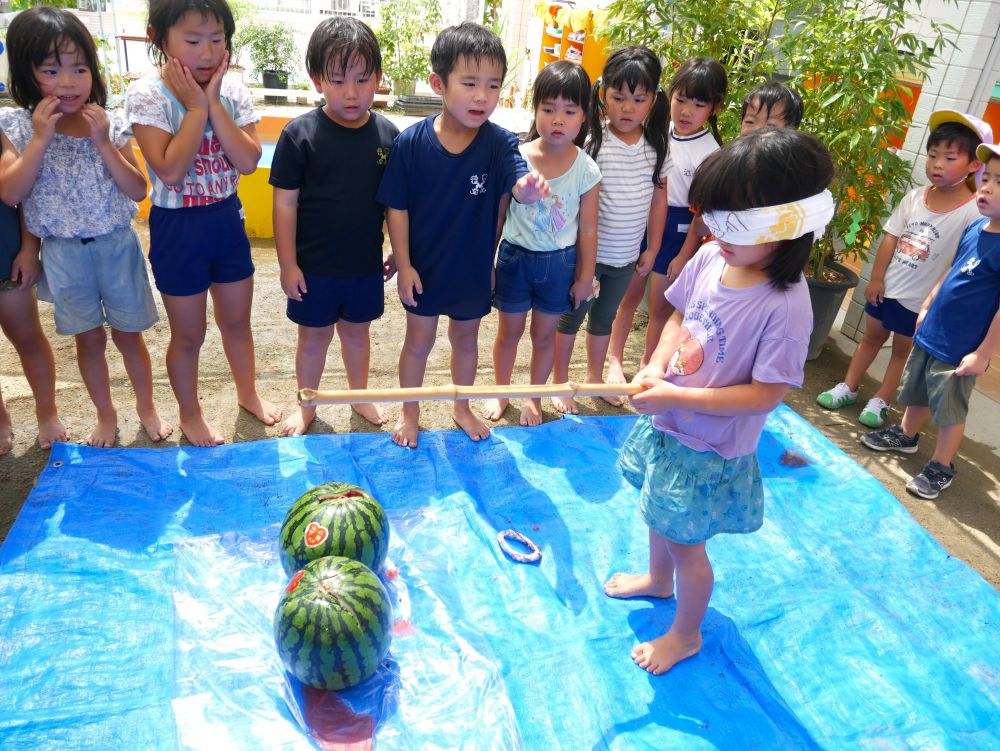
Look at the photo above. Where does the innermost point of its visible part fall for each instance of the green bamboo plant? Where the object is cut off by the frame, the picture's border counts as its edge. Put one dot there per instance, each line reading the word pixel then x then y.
pixel 846 59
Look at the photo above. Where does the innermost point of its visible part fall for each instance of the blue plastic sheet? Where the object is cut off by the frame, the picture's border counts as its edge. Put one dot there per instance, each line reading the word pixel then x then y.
pixel 137 589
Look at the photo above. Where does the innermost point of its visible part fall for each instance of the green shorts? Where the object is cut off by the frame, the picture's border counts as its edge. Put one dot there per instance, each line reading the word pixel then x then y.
pixel 929 382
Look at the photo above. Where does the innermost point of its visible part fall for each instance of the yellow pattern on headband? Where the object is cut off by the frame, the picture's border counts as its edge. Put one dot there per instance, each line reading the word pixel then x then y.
pixel 787 224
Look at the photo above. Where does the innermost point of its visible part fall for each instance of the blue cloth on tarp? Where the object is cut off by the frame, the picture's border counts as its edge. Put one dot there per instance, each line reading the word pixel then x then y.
pixel 137 588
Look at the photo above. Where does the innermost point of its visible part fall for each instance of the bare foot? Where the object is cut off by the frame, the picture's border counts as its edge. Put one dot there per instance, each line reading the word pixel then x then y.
pixel 50 430
pixel 104 434
pixel 615 401
pixel 156 427
pixel 200 433
pixel 6 435
pixel 371 412
pixel 298 422
pixel 616 374
pixel 474 427
pixel 623 586
pixel 565 405
pixel 406 431
pixel 661 654
pixel 493 409
pixel 262 409
pixel 531 412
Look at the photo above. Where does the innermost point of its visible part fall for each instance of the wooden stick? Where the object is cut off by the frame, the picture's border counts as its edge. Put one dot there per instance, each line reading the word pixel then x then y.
pixel 451 392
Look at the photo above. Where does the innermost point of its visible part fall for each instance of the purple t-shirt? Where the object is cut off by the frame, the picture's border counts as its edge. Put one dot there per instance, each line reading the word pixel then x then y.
pixel 730 337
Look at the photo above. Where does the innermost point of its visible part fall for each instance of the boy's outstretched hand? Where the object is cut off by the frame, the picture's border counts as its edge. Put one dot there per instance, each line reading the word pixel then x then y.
pixel 530 188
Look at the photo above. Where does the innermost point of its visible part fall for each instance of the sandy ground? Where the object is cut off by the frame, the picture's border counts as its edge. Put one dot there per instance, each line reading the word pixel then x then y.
pixel 964 519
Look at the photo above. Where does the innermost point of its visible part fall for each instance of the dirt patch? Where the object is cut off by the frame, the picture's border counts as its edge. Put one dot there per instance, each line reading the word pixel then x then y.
pixel 965 519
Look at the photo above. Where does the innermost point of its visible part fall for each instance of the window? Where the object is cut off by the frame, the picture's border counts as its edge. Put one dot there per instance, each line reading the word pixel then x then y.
pixel 369 9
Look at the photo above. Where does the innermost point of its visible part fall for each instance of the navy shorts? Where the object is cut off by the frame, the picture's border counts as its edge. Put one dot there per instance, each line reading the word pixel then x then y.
pixel 534 280
pixel 679 220
pixel 194 247
pixel 355 299
pixel 894 317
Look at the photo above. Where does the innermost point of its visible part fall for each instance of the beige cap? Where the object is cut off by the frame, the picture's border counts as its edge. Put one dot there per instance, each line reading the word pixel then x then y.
pixel 984 150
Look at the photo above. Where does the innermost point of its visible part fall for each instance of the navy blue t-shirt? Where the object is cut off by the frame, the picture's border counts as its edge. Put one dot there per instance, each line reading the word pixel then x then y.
pixel 337 170
pixel 453 202
pixel 10 239
pixel 965 305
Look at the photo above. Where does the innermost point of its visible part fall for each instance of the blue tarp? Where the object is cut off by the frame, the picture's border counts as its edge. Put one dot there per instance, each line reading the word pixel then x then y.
pixel 137 589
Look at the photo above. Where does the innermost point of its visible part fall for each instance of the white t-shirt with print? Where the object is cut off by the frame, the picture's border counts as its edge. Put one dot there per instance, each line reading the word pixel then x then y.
pixel 686 155
pixel 553 222
pixel 626 193
pixel 927 243
pixel 211 176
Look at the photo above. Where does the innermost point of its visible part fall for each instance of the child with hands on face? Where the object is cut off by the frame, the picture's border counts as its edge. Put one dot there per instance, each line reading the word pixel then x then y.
pixel 735 344
pixel 72 170
pixel 195 127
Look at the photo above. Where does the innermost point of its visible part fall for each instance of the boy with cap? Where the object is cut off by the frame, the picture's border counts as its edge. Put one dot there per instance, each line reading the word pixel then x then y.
pixel 958 332
pixel 917 247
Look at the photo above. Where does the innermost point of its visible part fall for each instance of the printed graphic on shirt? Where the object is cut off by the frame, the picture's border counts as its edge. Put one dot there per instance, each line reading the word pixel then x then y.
pixel 914 245
pixel 212 177
pixel 549 218
pixel 702 339
pixel 478 185
pixel 381 156
pixel 969 267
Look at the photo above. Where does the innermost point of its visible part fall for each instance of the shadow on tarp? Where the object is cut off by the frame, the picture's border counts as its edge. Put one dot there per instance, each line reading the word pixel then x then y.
pixel 137 588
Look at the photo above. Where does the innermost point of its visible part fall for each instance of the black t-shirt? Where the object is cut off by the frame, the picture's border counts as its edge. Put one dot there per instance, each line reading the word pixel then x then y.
pixel 337 171
pixel 10 238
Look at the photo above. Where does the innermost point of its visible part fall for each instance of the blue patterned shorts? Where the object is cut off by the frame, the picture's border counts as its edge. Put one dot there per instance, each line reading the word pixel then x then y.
pixel 686 495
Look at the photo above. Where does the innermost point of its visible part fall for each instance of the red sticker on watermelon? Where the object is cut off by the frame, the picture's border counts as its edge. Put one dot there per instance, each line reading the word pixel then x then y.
pixel 294 583
pixel 315 535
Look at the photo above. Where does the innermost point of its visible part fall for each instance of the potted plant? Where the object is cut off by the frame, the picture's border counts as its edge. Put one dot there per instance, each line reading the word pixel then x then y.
pixel 845 58
pixel 405 33
pixel 272 49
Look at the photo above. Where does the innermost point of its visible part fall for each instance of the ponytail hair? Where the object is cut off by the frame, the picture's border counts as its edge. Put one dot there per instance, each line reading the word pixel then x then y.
pixel 562 80
pixel 632 68
pixel 704 79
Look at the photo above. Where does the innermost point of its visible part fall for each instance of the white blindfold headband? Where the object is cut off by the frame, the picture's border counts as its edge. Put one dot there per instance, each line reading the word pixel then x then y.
pixel 785 221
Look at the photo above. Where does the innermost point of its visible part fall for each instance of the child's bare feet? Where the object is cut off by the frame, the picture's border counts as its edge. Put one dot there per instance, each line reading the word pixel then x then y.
pixel 531 412
pixel 262 409
pixel 199 432
pixel 565 405
pixel 661 654
pixel 474 427
pixel 624 586
pixel 614 401
pixel 299 421
pixel 616 374
pixel 6 434
pixel 493 409
pixel 406 431
pixel 156 427
pixel 50 430
pixel 104 434
pixel 371 412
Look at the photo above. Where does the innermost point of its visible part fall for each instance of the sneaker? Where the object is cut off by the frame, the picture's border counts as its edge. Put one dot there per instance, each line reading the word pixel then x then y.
pixel 934 478
pixel 874 413
pixel 837 397
pixel 891 439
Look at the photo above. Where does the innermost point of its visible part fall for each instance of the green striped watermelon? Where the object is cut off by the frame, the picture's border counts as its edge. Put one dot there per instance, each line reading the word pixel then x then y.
pixel 333 623
pixel 334 519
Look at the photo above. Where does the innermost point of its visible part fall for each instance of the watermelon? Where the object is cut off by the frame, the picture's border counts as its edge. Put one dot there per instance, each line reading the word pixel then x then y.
pixel 334 519
pixel 333 623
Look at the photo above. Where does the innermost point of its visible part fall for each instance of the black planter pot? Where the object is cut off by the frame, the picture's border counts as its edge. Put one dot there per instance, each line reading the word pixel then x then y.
pixel 826 298
pixel 275 79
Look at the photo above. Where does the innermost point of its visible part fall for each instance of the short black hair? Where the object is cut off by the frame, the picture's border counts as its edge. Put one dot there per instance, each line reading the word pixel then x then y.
pixel 164 14
pixel 767 167
pixel 962 136
pixel 769 95
pixel 468 40
pixel 37 33
pixel 337 42
pixel 562 80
